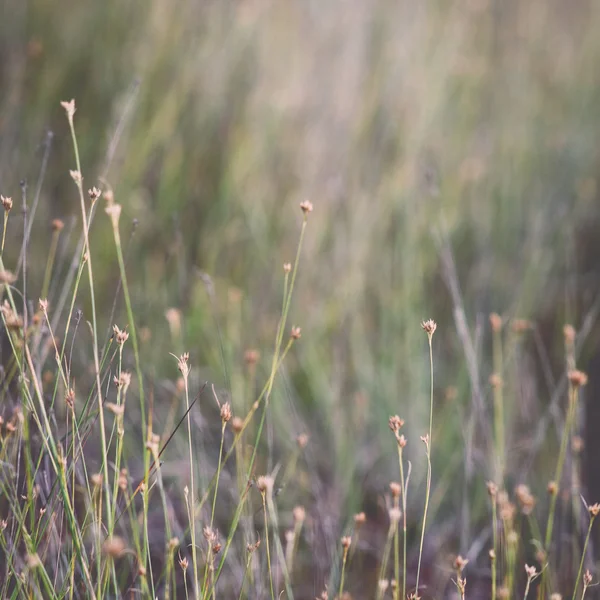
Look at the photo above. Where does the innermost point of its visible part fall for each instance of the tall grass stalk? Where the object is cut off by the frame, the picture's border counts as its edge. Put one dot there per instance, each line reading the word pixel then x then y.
pixel 576 380
pixel 429 327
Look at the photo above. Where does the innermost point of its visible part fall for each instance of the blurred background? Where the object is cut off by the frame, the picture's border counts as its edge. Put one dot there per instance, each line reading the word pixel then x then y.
pixel 451 152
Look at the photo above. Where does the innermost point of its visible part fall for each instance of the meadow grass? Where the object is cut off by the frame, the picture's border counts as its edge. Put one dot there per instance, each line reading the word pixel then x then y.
pixel 450 152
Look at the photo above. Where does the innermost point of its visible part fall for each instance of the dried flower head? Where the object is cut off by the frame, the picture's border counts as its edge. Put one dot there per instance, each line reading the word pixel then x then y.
pixel 460 563
pixel 395 423
pixel 587 578
pixel 395 489
pixel 69 108
pixel 496 322
pixel 552 488
pixel 520 325
pixel 94 193
pixel 402 441
pixel 346 542
pixel 577 378
pixel 237 424
pixel 182 364
pixel 359 519
pixel 76 176
pixel 116 409
pixel 287 267
pixel 265 484
pixel 429 326
pixel 594 509
pixel 251 357
pixel 496 381
pixel 226 412
pixel 121 336
pixel 33 561
pixel 306 207
pixel 183 563
pixel 302 440
pixel 7 277
pixel 209 534
pixel 114 212
pixel 57 224
pixel 461 585
pixel 114 547
pixel 492 554
pixel 525 498
pixel 569 333
pixel 531 571
pixel 577 444
pixel 492 489
pixel 299 514
pixel 296 333
pixel 395 514
pixel 7 203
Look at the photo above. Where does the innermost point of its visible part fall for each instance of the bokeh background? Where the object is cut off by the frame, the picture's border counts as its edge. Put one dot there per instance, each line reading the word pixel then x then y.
pixel 450 149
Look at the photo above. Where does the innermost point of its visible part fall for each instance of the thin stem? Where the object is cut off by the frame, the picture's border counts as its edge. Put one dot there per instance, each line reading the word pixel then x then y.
pixel 587 539
pixel 267 543
pixel 428 451
pixel 344 559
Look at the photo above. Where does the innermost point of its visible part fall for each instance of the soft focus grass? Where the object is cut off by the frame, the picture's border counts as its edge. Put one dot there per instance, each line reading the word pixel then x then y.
pixel 475 123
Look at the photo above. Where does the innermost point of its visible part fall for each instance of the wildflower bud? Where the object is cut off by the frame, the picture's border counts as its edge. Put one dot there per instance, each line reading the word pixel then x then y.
pixel 395 489
pixel 287 267
pixel 346 542
pixel 587 578
pixel 183 563
pixel 492 555
pixel 552 488
pixel 296 333
pixel 402 441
